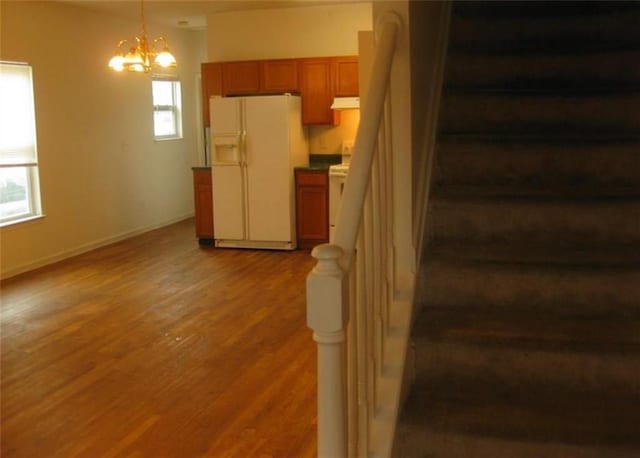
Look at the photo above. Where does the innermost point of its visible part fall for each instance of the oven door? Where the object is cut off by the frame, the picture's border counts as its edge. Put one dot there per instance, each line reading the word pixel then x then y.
pixel 337 178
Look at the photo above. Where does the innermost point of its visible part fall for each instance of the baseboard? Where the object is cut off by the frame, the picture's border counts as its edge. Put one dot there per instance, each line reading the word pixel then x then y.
pixel 392 385
pixel 256 244
pixel 45 261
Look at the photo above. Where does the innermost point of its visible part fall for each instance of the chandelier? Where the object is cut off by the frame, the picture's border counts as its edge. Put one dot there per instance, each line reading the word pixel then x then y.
pixel 143 55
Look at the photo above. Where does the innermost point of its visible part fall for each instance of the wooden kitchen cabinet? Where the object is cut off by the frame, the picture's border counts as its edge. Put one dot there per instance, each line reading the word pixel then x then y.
pixel 345 73
pixel 317 79
pixel 317 91
pixel 211 74
pixel 203 202
pixel 241 78
pixel 278 76
pixel 312 207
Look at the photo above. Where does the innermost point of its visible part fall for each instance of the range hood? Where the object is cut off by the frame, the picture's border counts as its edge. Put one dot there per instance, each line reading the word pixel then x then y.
pixel 345 103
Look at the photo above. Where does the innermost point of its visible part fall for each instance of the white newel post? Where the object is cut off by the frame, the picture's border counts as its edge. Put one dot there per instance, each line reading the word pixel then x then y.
pixel 328 315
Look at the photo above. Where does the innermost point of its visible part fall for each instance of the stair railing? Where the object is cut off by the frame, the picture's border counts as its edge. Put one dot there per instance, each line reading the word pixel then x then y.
pixel 350 290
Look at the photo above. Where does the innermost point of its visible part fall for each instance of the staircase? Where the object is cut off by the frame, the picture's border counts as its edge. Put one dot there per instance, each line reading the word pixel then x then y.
pixel 527 333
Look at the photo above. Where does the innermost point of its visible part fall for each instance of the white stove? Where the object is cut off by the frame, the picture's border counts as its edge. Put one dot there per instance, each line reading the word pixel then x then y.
pixel 337 178
pixel 339 170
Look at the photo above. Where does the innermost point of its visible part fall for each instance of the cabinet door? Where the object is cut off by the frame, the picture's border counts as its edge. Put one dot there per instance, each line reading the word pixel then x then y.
pixel 241 77
pixel 317 94
pixel 312 208
pixel 346 76
pixel 211 75
pixel 202 193
pixel 278 76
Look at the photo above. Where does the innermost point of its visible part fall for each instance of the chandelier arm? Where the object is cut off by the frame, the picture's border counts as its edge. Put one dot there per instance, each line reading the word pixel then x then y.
pixel 120 43
pixel 144 55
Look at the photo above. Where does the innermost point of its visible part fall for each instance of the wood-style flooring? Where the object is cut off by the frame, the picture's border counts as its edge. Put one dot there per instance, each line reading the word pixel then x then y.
pixel 157 347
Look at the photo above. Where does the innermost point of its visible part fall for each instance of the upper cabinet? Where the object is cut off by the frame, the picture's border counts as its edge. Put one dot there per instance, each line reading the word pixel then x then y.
pixel 345 76
pixel 317 91
pixel 279 76
pixel 322 79
pixel 211 73
pixel 318 80
pixel 241 78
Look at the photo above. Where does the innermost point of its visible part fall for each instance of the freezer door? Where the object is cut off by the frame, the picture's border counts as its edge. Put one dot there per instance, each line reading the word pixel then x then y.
pixel 226 130
pixel 269 173
pixel 225 115
pixel 228 202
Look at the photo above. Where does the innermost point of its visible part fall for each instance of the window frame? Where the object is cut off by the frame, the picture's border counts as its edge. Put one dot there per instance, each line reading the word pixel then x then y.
pixel 175 108
pixel 30 165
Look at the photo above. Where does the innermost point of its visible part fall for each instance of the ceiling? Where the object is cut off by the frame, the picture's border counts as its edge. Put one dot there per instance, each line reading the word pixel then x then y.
pixel 188 14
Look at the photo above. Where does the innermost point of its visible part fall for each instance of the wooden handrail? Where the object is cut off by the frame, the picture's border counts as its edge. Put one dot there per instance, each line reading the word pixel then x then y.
pixel 328 295
pixel 355 188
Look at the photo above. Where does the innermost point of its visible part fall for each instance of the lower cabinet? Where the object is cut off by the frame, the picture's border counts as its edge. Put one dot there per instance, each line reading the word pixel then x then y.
pixel 203 202
pixel 312 207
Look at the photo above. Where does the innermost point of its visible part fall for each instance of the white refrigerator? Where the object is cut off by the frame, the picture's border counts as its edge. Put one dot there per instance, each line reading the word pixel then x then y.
pixel 256 142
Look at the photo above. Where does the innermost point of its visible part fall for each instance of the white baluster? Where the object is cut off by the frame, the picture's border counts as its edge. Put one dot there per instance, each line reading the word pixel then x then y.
pixel 328 315
pixel 378 275
pixel 352 367
pixel 361 331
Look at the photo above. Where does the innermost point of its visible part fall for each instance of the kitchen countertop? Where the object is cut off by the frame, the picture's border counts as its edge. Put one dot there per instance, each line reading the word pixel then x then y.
pixel 321 161
pixel 316 162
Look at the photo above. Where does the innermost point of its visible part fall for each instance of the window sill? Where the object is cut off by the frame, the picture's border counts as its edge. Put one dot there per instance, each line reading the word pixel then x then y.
pixel 21 220
pixel 160 139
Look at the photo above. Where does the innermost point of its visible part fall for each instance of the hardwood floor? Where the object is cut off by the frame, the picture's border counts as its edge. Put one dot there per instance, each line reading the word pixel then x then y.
pixel 156 347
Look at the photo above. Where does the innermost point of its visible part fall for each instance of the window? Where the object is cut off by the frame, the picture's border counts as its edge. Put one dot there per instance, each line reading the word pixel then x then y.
pixel 167 116
pixel 19 186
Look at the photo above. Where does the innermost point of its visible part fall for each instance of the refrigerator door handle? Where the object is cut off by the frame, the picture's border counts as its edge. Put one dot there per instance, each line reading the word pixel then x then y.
pixel 243 147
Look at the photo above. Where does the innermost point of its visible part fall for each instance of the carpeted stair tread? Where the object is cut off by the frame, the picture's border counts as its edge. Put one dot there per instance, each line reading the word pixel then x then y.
pixel 432 444
pixel 541 46
pixel 564 428
pixel 561 253
pixel 540 187
pixel 566 27
pixel 581 420
pixel 537 219
pixel 536 113
pixel 569 138
pixel 560 368
pixel 551 88
pixel 516 71
pixel 538 165
pixel 536 332
pixel 555 289
pixel 545 9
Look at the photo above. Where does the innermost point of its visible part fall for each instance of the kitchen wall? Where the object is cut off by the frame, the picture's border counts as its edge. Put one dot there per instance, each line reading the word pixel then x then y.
pixel 102 175
pixel 305 31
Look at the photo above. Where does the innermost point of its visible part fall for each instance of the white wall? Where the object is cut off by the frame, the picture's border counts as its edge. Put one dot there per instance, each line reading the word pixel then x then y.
pixel 102 175
pixel 304 31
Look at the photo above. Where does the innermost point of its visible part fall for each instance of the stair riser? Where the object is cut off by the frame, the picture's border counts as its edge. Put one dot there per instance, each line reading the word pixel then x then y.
pixel 537 221
pixel 525 371
pixel 528 114
pixel 583 70
pixel 592 168
pixel 557 292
